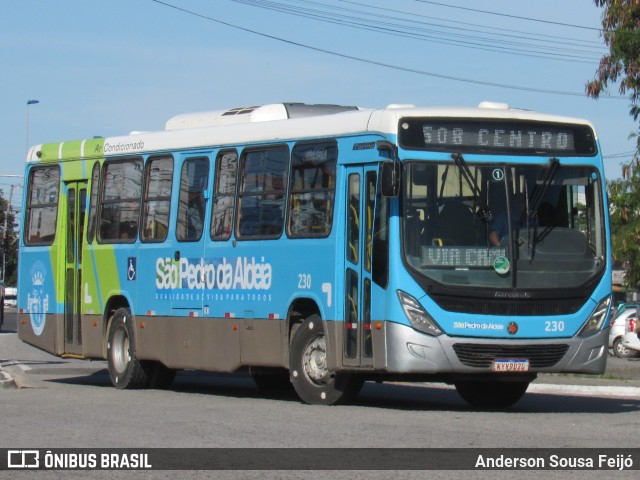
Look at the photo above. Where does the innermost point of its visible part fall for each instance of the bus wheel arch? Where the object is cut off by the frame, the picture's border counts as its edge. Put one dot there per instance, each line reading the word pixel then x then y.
pixel 143 373
pixel 125 369
pixel 299 311
pixel 312 380
pixel 114 303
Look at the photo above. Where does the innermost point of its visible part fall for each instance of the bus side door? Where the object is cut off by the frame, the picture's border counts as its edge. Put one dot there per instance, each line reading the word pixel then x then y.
pixel 360 205
pixel 76 209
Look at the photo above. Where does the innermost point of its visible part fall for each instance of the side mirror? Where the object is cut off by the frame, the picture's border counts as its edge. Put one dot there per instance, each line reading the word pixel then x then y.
pixel 390 179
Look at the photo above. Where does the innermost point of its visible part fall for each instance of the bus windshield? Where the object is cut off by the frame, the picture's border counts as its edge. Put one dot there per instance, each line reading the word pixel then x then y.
pixel 503 226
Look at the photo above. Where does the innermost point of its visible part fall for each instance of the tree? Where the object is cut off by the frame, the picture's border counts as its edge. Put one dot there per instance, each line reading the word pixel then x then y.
pixel 9 242
pixel 624 198
pixel 621 33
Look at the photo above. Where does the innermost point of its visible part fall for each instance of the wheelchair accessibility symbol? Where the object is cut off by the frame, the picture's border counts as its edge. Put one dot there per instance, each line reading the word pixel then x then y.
pixel 131 270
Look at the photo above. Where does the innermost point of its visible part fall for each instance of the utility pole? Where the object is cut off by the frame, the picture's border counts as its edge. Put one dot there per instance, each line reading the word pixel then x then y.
pixel 29 102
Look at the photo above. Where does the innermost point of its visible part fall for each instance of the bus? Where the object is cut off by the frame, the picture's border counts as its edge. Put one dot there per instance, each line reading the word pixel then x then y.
pixel 322 246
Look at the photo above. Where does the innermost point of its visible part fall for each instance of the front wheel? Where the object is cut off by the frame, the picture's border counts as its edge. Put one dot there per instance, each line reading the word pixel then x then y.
pixel 313 381
pixel 493 394
pixel 125 370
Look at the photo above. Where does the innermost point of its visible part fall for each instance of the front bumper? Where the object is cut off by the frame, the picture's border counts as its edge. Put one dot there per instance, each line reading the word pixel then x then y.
pixel 409 351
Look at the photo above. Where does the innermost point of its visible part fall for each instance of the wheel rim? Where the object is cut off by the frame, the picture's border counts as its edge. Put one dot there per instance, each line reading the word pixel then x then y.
pixel 120 350
pixel 314 361
pixel 621 350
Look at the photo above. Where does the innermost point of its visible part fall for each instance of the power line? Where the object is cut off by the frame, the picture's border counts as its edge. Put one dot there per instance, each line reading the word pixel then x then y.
pixel 457 36
pixel 492 28
pixel 620 155
pixel 529 19
pixel 379 63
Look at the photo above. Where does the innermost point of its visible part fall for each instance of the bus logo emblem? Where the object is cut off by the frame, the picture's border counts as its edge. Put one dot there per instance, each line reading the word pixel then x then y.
pixel 512 329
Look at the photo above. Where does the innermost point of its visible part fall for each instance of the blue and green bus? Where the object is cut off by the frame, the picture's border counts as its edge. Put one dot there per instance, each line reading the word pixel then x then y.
pixel 324 246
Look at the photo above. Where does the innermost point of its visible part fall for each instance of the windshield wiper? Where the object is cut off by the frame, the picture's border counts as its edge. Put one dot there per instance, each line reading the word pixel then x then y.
pixel 483 210
pixel 536 201
pixel 541 190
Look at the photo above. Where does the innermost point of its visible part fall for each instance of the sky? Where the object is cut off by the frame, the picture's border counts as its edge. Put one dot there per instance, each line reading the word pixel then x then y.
pixel 104 68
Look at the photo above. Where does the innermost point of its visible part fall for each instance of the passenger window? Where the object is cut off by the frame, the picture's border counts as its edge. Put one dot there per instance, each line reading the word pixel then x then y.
pixel 194 181
pixel 157 199
pixel 262 193
pixel 42 206
pixel 120 207
pixel 312 190
pixel 225 195
pixel 353 219
pixel 93 202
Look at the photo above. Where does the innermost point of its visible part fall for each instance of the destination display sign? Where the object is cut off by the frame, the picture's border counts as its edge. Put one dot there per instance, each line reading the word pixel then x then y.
pixel 512 137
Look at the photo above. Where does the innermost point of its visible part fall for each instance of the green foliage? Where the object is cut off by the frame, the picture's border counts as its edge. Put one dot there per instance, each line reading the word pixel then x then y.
pixel 624 197
pixel 8 243
pixel 621 33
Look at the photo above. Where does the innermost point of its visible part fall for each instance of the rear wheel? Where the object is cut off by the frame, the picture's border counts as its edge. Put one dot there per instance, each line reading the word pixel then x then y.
pixel 621 351
pixel 313 381
pixel 491 394
pixel 125 370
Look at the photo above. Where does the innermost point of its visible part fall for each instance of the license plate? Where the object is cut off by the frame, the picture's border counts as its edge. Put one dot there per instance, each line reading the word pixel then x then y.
pixel 510 365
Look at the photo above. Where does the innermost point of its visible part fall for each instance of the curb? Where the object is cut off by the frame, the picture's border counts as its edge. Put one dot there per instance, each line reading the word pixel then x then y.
pixel 601 391
pixel 6 380
pixel 586 390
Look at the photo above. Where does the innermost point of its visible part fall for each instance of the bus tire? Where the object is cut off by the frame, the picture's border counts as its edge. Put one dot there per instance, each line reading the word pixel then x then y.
pixel 491 394
pixel 314 383
pixel 125 370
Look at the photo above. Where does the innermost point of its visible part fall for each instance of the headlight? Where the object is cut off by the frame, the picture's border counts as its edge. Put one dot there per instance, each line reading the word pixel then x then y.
pixel 419 318
pixel 594 324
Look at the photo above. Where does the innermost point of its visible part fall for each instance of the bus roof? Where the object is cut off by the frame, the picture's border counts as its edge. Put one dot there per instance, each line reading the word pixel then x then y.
pixel 273 122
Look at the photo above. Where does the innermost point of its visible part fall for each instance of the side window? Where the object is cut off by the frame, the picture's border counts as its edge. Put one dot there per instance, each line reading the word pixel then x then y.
pixel 312 190
pixel 42 206
pixel 93 202
pixel 353 219
pixel 225 195
pixel 121 188
pixel 156 200
pixel 194 180
pixel 371 182
pixel 380 261
pixel 262 193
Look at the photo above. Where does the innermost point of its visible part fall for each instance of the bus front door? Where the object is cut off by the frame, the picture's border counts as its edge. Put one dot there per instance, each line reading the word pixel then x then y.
pixel 77 206
pixel 360 202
